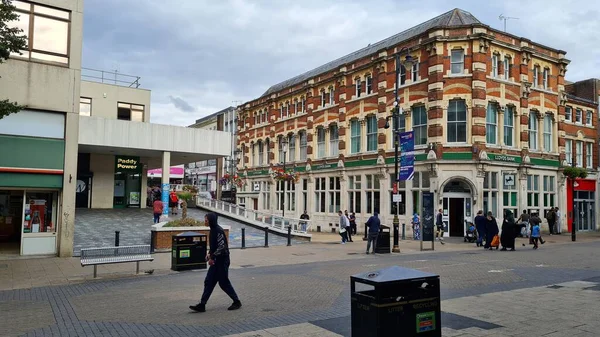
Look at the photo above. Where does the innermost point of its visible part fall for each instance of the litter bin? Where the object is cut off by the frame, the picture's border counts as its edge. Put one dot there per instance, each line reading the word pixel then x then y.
pixel 188 251
pixel 395 301
pixel 383 240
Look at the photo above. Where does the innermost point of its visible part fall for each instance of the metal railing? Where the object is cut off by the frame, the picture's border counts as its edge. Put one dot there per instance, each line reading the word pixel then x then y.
pixel 110 77
pixel 298 226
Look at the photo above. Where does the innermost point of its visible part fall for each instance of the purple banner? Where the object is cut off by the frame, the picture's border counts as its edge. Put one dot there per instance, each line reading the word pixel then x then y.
pixel 407 155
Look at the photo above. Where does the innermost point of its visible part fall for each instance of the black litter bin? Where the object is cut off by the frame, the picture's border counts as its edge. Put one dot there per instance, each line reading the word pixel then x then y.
pixel 395 301
pixel 383 240
pixel 188 251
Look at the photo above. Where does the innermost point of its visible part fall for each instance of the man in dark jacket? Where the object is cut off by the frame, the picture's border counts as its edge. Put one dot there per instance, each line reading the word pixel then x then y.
pixel 373 224
pixel 218 272
pixel 480 226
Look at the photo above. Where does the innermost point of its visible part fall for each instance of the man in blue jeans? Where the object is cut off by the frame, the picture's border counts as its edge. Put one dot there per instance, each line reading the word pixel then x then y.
pixel 373 224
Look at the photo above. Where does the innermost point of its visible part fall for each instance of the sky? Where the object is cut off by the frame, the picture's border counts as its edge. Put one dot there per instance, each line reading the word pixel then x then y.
pixel 201 56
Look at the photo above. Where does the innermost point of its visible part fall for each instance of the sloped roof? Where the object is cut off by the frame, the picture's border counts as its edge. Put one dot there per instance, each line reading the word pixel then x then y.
pixel 453 18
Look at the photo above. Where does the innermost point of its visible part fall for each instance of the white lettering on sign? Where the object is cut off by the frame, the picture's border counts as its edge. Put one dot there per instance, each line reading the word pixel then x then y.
pixel 501 157
pixel 130 164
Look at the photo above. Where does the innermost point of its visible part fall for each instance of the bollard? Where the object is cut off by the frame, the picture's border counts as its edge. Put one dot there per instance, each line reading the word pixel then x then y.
pixel 403 231
pixel 243 238
pixel 266 237
pixel 117 238
pixel 289 236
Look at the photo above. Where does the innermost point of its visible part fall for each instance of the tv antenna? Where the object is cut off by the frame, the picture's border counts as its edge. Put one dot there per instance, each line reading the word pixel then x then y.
pixel 506 18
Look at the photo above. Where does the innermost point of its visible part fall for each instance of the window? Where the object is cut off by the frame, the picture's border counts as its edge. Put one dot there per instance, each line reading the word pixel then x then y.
pixel 495 65
pixel 491 123
pixel 256 115
pixel 549 192
pixel 305 194
pixel 578 115
pixel 292 147
pixel 334 194
pixel 130 112
pixel 281 153
pixel 323 98
pixel 533 197
pixel 402 79
pixel 545 74
pixel 302 135
pixel 533 131
pixel 457 121
pixel 254 159
pixel 457 61
pixel 287 109
pixel 588 117
pixel 331 96
pixel 296 106
pixel 415 72
pixel 371 133
pixel 303 101
pixel 334 139
pixel 589 155
pixel 569 113
pixel 506 67
pixel 548 133
pixel 281 111
pixel 509 126
pixel 420 184
pixel 354 193
pixel 354 136
pixel 536 76
pixel 261 153
pixel 569 151
pixel 358 86
pixel 419 126
pixel 579 153
pixel 320 142
pixel 320 194
pixel 372 193
pixel 85 106
pixel 265 190
pixel 490 193
pixel 264 116
pixel 369 84
pixel 509 193
pixel 47 31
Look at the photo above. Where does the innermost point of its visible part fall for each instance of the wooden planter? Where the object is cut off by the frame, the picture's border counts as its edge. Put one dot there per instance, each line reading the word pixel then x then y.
pixel 162 236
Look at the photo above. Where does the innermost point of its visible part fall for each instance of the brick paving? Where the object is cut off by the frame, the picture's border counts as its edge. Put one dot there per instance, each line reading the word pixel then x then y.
pixel 483 292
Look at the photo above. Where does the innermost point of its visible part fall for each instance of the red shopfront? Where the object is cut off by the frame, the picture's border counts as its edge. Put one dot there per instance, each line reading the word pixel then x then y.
pixel 584 201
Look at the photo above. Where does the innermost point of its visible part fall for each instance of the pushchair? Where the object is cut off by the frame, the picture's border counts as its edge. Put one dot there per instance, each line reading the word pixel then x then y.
pixel 471 234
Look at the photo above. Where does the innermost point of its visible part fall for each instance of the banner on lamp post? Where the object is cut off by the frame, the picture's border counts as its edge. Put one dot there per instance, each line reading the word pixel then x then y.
pixel 407 155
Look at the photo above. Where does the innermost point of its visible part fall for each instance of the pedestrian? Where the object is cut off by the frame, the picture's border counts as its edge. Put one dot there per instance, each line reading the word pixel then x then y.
pixel 353 223
pixel 524 223
pixel 343 227
pixel 535 220
pixel 349 227
pixel 551 218
pixel 439 225
pixel 416 226
pixel 218 260
pixel 480 226
pixel 558 221
pixel 373 224
pixel 157 206
pixel 173 201
pixel 507 238
pixel 491 230
pixel 304 224
pixel 535 235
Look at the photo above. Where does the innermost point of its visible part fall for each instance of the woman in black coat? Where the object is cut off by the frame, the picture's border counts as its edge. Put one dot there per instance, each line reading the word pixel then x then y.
pixel 507 238
pixel 491 230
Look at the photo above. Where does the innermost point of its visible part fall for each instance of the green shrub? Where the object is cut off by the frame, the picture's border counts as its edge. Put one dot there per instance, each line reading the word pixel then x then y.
pixel 187 222
pixel 575 172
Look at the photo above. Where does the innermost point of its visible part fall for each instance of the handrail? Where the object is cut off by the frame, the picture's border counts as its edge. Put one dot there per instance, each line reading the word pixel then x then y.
pixel 299 226
pixel 111 77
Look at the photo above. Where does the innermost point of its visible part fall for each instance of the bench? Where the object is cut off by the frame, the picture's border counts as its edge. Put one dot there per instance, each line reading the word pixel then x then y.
pixel 121 254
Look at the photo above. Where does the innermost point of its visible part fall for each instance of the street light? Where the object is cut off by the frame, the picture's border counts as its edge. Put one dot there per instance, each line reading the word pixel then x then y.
pixel 284 145
pixel 574 211
pixel 396 111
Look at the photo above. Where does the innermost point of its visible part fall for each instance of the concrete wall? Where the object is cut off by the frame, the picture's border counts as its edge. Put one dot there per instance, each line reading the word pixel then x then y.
pixel 103 167
pixel 106 96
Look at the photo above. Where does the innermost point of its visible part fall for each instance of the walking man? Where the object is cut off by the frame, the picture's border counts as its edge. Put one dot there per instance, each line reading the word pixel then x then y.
pixel 551 217
pixel 218 272
pixel 349 228
pixel 157 206
pixel 439 224
pixel 373 224
pixel 344 224
pixel 480 226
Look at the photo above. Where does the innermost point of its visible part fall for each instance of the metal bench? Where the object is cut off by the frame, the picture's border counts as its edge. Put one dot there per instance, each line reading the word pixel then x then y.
pixel 121 254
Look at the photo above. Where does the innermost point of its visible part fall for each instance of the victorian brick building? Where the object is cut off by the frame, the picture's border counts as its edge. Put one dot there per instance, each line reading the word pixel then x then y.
pixel 488 111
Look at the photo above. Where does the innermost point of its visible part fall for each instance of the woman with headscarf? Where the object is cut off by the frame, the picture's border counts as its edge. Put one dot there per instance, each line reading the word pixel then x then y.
pixel 491 230
pixel 416 227
pixel 507 238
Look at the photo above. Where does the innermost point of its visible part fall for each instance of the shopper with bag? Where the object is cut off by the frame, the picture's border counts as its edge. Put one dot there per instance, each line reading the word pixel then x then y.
pixel 344 226
pixel 491 232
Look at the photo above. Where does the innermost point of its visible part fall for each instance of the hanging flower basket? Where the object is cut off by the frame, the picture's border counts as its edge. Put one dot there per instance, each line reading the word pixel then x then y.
pixel 231 179
pixel 289 175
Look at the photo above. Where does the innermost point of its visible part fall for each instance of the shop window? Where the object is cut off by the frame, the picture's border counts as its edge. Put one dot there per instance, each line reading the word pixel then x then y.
pixel 40 212
pixel 334 194
pixel 533 197
pixel 509 194
pixel 320 194
pixel 549 191
pixel 128 182
pixel 305 194
pixel 490 193
pixel 85 106
pixel 372 193
pixel 130 112
pixel 354 193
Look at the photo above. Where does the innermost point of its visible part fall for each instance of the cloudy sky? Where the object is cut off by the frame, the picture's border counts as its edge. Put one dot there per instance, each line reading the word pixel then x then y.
pixel 200 56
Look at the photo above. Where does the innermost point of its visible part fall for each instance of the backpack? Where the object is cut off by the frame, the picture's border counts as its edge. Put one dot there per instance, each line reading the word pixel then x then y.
pixel 174 197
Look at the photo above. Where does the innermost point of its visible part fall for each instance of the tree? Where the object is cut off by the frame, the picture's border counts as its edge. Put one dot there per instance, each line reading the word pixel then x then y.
pixel 11 41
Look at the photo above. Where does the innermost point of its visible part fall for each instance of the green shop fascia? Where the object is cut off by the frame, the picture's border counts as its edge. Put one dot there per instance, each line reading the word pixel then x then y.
pixel 128 182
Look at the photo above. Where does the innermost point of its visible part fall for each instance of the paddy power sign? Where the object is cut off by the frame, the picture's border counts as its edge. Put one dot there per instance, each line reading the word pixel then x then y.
pixel 127 164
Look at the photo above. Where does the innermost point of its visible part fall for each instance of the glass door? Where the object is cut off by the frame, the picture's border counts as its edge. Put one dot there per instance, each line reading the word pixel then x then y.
pixel 585 215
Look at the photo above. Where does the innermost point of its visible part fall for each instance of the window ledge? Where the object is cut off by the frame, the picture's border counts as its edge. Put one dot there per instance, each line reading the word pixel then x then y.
pixel 457 75
pixel 547 91
pixel 328 106
pixel 353 99
pixel 501 80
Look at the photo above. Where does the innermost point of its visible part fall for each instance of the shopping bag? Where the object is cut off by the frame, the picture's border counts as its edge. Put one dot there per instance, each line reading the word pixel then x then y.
pixel 495 241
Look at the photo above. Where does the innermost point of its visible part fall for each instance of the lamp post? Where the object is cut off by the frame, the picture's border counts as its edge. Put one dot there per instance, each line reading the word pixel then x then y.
pixel 574 211
pixel 396 111
pixel 284 145
pixel 233 163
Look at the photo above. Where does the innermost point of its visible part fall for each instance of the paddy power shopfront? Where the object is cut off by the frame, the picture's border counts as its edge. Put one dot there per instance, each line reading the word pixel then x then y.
pixel 128 182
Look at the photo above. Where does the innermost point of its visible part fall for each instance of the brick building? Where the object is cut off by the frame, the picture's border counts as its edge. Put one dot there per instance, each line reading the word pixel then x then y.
pixel 486 108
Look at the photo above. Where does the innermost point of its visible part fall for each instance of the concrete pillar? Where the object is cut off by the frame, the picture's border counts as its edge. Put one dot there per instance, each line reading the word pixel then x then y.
pixel 166 174
pixel 66 227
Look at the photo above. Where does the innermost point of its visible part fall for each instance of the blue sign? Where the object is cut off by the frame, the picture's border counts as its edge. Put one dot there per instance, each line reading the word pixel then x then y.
pixel 165 198
pixel 407 155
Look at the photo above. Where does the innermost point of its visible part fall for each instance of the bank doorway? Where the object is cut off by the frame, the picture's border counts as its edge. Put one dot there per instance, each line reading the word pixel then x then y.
pixel 456 208
pixel 585 219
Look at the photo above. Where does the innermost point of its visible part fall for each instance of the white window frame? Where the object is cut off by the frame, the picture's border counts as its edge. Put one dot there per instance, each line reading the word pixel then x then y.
pixel 334 192
pixel 568 113
pixel 548 127
pixel 321 148
pixel 357 87
pixel 280 111
pixel 369 84
pixel 261 153
pixel 457 122
pixel 303 145
pixel 589 115
pixel 331 96
pixel 291 148
pixel 460 64
pixel 491 123
pixel 323 98
pixel 303 103
pixel 506 68
pixel 589 155
pixel 320 195
pixel 372 192
pixel 536 75
pixel 578 116
pixel 532 131
pixel 545 77
pixel 549 190
pixel 334 140
pixel 495 65
pixel 569 151
pixel 579 153
pixel 355 193
pixel 509 126
pixel 371 126
pixel 355 138
pixel 402 75
pixel 415 71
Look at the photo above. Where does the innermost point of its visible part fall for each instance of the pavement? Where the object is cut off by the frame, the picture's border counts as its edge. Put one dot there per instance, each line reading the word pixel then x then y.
pixel 303 290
